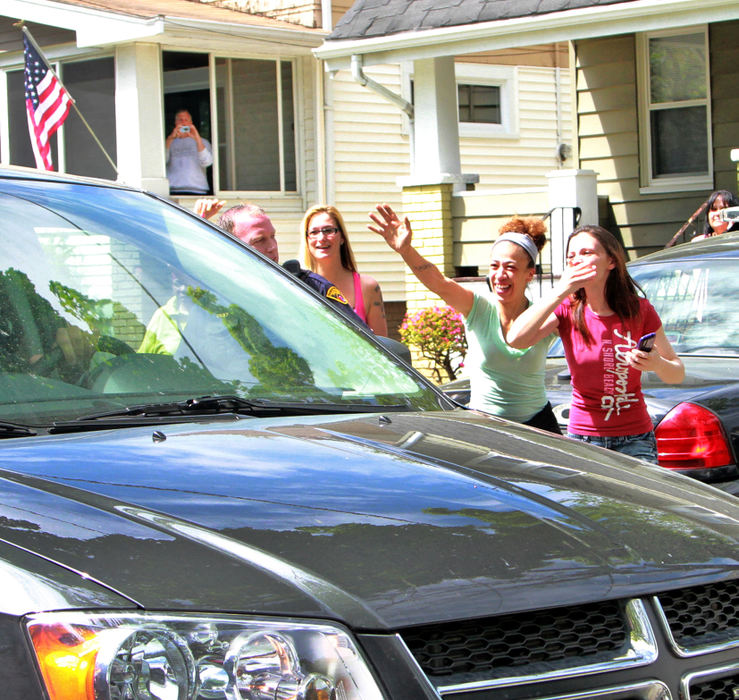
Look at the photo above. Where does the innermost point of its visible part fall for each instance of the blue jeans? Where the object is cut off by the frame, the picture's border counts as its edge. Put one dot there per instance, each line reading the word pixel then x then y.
pixel 642 446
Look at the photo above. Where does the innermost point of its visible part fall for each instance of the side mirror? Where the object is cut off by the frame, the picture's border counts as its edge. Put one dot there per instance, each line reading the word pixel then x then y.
pixel 396 348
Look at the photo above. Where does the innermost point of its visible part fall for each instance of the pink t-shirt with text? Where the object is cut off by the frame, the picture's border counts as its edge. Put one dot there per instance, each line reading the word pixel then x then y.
pixel 606 391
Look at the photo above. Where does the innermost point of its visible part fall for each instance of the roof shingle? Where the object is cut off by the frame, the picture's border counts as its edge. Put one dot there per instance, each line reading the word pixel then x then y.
pixel 373 18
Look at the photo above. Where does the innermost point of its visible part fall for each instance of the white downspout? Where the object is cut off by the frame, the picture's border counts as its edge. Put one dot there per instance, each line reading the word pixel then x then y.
pixel 365 81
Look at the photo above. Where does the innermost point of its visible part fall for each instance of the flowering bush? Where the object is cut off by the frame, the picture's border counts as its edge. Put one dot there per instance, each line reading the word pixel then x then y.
pixel 438 334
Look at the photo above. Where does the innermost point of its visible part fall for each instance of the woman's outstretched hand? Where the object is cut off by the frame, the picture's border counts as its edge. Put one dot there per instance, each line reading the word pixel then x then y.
pixel 397 233
pixel 575 276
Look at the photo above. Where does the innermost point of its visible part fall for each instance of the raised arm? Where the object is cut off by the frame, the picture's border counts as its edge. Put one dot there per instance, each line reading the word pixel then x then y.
pixel 398 235
pixel 539 321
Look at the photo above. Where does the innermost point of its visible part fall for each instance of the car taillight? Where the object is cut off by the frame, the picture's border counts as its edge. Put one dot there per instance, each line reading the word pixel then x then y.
pixel 691 437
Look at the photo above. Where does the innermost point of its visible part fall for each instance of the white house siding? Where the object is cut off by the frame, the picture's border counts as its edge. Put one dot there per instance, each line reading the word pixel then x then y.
pixel 306 128
pixel 523 160
pixel 371 150
pixel 477 217
pixel 609 143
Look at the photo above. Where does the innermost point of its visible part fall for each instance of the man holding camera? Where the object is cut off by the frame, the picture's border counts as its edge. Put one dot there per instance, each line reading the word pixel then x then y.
pixel 188 155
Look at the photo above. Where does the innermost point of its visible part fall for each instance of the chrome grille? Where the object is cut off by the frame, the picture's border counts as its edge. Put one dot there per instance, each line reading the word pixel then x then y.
pixel 521 654
pixel 719 689
pixel 702 616
pixel 716 684
pixel 514 645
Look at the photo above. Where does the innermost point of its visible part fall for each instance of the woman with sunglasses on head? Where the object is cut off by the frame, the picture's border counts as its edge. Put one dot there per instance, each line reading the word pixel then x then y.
pixel 504 381
pixel 327 251
pixel 600 317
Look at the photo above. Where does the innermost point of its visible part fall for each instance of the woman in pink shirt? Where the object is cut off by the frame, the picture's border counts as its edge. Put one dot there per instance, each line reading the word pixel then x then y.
pixel 600 317
pixel 327 251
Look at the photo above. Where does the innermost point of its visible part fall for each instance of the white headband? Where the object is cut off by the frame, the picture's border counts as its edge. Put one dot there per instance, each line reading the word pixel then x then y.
pixel 526 242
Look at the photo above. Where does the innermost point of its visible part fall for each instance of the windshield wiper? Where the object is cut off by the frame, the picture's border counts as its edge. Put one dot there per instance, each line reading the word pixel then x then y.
pixel 298 408
pixel 148 413
pixel 195 406
pixel 12 430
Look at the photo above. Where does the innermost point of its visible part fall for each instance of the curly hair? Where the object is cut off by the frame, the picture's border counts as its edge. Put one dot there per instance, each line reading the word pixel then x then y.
pixel 531 226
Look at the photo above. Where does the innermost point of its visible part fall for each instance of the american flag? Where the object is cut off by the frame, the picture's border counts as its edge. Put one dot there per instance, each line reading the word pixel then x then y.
pixel 47 103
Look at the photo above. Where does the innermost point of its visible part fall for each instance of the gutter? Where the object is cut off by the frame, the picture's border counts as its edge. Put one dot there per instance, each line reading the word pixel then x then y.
pixel 365 81
pixel 564 25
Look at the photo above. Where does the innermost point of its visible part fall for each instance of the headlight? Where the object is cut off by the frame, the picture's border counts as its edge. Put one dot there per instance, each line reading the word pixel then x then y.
pixel 137 656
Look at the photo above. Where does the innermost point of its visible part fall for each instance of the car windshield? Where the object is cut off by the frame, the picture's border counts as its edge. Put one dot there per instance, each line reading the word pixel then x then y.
pixel 110 297
pixel 696 301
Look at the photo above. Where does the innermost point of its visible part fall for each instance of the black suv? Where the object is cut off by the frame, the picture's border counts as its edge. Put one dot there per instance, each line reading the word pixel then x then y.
pixel 216 487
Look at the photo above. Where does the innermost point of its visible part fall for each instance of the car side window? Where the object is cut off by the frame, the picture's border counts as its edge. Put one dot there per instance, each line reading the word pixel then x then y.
pixel 697 304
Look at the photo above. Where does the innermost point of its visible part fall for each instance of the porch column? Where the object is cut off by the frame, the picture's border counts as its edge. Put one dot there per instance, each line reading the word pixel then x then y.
pixel 429 207
pixel 436 132
pixel 140 128
pixel 436 175
pixel 569 190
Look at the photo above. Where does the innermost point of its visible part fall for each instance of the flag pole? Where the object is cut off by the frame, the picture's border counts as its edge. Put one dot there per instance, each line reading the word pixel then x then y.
pixel 30 38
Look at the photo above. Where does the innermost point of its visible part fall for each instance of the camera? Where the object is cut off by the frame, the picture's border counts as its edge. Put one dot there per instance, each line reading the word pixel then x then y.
pixel 729 214
pixel 184 129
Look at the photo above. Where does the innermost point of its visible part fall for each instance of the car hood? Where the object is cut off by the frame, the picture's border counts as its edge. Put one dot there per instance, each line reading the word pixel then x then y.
pixel 378 521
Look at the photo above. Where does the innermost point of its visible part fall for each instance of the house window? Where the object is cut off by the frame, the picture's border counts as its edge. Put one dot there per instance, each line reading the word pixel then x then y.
pixel 252 130
pixel 674 109
pixel 92 85
pixel 256 125
pixel 486 99
pixel 479 103
pixel 186 82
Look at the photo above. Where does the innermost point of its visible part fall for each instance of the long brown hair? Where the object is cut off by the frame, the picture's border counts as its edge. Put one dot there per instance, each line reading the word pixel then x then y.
pixel 347 256
pixel 621 289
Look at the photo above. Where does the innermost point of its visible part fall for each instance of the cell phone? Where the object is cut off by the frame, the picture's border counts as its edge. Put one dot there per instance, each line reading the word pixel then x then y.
pixel 184 129
pixel 646 342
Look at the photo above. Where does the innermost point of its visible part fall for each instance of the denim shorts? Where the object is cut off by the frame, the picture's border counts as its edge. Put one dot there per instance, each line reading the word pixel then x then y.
pixel 643 446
